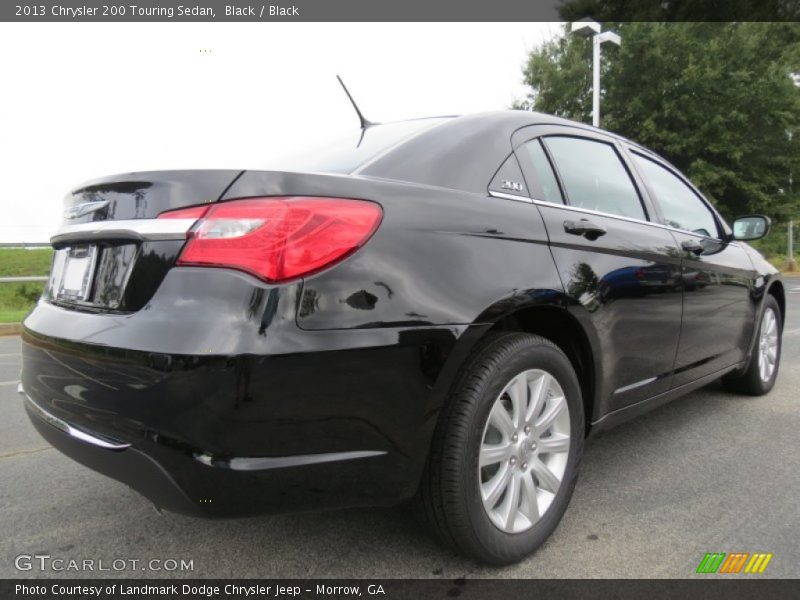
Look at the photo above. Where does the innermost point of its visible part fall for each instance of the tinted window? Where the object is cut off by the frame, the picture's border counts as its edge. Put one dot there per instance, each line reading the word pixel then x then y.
pixel 544 172
pixel 681 206
pixel 508 179
pixel 351 151
pixel 594 176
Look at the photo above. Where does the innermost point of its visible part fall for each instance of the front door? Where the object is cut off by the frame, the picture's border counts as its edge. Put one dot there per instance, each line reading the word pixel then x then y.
pixel 620 271
pixel 717 277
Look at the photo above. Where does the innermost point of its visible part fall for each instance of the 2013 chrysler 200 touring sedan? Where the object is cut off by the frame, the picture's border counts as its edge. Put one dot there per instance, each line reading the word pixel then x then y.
pixel 439 309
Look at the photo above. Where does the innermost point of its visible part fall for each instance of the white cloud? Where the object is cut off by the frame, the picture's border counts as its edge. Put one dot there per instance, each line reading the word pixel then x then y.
pixel 81 100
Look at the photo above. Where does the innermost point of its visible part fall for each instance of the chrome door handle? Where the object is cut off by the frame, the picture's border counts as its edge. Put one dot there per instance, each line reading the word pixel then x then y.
pixel 692 246
pixel 585 228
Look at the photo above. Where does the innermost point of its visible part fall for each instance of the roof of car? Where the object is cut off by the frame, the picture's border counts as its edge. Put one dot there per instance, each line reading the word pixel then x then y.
pixel 462 152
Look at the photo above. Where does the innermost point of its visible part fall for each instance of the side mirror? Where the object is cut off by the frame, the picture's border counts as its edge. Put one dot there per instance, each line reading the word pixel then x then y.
pixel 752 227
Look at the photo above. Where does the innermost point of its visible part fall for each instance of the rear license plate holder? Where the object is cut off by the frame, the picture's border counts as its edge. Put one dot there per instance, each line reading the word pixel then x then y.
pixel 73 272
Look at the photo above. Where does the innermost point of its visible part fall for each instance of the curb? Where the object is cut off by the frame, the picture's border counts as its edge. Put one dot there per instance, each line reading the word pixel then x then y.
pixel 10 328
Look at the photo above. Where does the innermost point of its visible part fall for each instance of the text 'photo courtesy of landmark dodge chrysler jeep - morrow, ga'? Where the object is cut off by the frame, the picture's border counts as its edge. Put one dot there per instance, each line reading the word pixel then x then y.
pixel 439 309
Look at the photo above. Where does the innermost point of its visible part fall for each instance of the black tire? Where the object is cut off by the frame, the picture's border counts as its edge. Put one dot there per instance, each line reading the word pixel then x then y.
pixel 449 494
pixel 749 381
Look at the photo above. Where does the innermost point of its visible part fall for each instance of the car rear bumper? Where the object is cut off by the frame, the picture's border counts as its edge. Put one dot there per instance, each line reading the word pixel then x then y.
pixel 111 457
pixel 185 484
pixel 301 420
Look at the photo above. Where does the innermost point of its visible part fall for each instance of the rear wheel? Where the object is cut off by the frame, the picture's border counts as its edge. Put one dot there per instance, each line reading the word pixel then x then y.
pixel 761 373
pixel 505 455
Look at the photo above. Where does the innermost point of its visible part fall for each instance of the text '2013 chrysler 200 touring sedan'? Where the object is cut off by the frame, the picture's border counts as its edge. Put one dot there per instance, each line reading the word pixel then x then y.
pixel 439 309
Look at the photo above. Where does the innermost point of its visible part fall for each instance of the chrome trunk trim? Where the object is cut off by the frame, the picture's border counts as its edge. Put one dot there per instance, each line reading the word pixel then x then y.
pixel 130 229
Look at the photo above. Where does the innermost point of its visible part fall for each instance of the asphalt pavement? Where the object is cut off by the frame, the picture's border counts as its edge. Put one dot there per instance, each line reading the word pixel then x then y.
pixel 710 472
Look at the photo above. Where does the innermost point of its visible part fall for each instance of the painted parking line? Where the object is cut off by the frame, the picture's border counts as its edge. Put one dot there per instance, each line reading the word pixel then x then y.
pixel 16 381
pixel 24 451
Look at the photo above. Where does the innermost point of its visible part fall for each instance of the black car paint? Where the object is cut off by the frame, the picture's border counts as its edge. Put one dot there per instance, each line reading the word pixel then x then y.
pixel 240 397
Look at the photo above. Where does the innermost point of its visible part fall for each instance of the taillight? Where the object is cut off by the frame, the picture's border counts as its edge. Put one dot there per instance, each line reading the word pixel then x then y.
pixel 278 238
pixel 193 212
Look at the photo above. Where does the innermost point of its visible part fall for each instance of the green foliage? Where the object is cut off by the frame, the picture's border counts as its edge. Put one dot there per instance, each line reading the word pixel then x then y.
pixel 680 10
pixel 16 299
pixel 12 316
pixel 19 296
pixel 28 293
pixel 18 262
pixel 716 99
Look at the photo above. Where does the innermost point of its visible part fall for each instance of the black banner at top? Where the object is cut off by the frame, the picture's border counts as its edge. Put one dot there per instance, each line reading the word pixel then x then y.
pixel 393 10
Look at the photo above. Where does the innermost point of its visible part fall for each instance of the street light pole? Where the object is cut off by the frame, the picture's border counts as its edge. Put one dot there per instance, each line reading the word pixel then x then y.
pixel 592 29
pixel 596 80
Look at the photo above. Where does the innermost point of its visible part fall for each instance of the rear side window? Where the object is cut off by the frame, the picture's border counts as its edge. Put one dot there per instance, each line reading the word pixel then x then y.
pixel 594 177
pixel 544 172
pixel 682 208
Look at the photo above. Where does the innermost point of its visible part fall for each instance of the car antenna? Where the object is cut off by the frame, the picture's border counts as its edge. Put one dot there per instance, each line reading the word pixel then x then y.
pixel 365 123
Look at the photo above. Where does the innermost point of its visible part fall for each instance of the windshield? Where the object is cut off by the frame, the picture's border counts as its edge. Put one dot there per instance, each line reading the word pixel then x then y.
pixel 346 154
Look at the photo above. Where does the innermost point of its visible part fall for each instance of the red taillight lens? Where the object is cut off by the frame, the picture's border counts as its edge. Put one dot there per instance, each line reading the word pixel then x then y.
pixel 277 239
pixel 193 212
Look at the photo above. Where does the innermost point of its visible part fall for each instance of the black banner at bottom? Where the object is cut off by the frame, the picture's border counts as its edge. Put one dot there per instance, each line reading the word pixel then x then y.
pixel 709 588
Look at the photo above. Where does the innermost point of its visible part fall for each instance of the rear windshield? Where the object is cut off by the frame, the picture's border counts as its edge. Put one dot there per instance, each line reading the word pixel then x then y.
pixel 348 153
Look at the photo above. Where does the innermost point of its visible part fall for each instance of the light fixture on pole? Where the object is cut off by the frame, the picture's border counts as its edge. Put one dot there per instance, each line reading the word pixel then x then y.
pixel 593 30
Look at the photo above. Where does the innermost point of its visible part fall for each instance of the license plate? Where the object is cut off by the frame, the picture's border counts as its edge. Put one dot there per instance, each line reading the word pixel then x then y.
pixel 73 269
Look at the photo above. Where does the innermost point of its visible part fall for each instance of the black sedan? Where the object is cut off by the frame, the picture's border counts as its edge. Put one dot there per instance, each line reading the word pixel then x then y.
pixel 440 309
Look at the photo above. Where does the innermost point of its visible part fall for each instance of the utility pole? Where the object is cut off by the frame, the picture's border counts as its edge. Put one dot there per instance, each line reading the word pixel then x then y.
pixel 589 28
pixel 791 263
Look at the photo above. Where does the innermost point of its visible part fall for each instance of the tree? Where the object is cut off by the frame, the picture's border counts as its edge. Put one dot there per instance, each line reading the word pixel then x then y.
pixel 718 100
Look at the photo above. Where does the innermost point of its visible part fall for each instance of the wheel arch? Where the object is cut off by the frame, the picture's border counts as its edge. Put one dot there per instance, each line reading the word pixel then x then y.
pixel 544 313
pixel 561 327
pixel 777 290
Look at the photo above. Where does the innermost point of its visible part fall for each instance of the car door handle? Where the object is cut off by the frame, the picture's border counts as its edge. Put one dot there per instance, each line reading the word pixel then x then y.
pixel 585 228
pixel 692 246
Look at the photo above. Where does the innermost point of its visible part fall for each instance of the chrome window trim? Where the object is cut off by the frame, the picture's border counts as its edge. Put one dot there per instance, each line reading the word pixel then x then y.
pixel 71 431
pixel 514 197
pixel 135 229
pixel 599 213
pixel 623 218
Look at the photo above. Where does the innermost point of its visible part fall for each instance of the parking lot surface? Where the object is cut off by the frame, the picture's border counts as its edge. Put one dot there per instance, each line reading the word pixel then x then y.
pixel 710 472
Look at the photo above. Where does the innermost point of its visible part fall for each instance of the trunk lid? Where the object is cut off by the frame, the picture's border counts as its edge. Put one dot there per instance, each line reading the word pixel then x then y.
pixel 144 195
pixel 111 255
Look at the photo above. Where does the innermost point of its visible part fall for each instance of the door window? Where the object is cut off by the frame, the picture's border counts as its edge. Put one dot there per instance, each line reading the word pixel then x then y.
pixel 544 172
pixel 682 208
pixel 594 176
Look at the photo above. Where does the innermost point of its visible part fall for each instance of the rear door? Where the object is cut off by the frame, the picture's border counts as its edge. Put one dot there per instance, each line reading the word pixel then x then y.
pixel 717 275
pixel 620 270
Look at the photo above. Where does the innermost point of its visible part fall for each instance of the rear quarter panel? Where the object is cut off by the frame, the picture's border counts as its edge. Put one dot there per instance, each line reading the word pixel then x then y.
pixel 439 257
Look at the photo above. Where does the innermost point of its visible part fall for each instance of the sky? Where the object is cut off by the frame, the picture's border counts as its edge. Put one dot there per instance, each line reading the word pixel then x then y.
pixel 83 100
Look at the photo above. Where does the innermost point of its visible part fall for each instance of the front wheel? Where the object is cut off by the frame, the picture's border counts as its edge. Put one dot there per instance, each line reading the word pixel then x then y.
pixel 762 371
pixel 505 455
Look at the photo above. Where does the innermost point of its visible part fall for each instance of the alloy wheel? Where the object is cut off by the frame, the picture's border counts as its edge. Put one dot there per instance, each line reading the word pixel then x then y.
pixel 768 345
pixel 524 451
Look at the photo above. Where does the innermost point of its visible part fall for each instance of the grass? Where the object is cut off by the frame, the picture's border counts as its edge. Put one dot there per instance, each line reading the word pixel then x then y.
pixel 16 299
pixel 12 316
pixel 17 262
